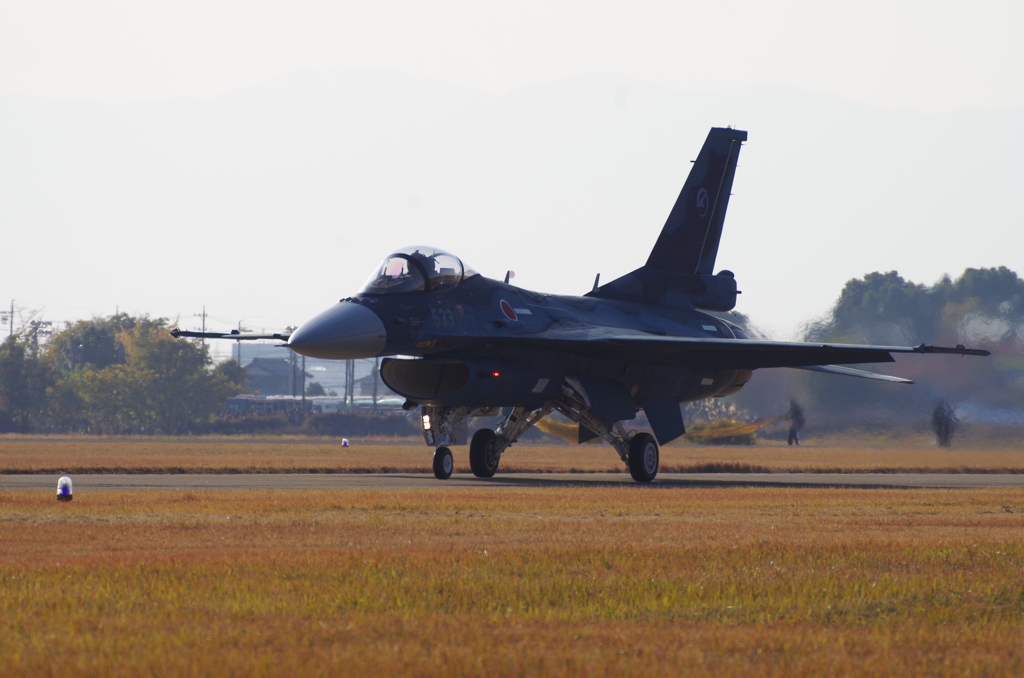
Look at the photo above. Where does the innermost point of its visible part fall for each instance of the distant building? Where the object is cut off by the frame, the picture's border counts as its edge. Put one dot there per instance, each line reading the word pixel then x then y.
pixel 275 376
pixel 331 374
pixel 272 367
pixel 263 405
pixel 365 386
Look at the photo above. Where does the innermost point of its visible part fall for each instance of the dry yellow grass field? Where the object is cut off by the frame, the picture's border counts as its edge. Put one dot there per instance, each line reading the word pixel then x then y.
pixel 610 581
pixel 76 455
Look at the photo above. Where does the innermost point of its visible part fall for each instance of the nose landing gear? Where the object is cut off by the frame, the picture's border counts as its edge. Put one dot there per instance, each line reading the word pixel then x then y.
pixel 443 463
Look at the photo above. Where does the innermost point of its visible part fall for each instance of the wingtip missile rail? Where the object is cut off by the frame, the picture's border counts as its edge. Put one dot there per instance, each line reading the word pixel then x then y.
pixel 233 334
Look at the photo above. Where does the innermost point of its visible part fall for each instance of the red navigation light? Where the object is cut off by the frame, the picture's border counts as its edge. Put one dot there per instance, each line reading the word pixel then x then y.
pixel 495 374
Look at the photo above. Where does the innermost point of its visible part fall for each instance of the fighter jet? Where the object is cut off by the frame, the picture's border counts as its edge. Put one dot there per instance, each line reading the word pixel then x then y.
pixel 466 346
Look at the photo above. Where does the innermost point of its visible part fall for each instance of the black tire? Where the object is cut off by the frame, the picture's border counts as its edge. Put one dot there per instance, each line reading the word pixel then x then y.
pixel 483 456
pixel 643 457
pixel 443 463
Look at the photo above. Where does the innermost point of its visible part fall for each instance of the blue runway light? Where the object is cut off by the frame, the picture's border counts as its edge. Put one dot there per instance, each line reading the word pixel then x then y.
pixel 64 489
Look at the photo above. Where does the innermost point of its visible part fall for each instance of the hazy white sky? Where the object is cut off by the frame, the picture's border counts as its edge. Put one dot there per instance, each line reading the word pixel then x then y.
pixel 930 56
pixel 924 54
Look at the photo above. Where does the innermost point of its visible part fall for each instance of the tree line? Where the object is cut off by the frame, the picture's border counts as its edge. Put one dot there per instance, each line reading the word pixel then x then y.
pixel 983 308
pixel 114 375
pixel 127 375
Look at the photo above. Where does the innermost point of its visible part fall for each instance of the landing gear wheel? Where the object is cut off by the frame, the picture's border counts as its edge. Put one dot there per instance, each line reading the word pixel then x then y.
pixel 643 457
pixel 443 463
pixel 483 453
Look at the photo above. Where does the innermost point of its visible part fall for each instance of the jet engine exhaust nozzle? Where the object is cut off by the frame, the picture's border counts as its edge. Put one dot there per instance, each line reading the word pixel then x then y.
pixel 346 331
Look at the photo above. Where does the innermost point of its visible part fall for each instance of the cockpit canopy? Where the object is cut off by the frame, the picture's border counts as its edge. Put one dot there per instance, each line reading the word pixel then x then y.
pixel 417 269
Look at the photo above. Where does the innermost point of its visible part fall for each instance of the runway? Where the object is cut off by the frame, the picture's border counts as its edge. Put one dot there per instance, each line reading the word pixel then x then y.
pixel 85 482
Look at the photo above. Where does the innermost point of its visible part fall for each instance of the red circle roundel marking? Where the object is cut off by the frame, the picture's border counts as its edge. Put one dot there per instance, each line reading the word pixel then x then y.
pixel 507 309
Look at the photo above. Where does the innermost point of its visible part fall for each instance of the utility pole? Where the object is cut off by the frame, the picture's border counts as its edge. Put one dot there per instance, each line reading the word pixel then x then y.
pixel 303 382
pixel 350 387
pixel 203 316
pixel 376 378
pixel 291 374
pixel 238 344
pixel 9 316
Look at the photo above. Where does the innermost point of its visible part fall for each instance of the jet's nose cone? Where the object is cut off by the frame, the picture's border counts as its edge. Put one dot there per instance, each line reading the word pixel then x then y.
pixel 343 332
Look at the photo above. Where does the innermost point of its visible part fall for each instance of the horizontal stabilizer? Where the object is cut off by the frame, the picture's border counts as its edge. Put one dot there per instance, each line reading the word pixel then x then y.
pixel 851 372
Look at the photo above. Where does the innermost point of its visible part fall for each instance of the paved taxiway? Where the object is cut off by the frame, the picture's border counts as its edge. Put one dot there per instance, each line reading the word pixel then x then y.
pixel 84 482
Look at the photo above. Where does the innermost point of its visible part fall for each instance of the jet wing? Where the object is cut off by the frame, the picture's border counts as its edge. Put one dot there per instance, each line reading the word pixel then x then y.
pixel 233 334
pixel 718 352
pixel 754 354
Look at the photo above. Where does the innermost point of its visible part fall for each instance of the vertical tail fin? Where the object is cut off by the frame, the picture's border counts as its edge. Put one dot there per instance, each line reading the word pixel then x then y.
pixel 689 240
pixel 680 269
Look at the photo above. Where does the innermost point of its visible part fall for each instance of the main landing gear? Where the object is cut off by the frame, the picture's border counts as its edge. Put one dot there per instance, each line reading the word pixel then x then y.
pixel 484 454
pixel 444 426
pixel 643 457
